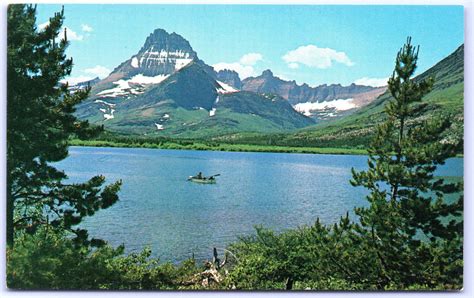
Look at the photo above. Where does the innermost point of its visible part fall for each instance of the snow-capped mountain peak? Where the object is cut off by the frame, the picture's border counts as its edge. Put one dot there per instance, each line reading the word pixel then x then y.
pixel 161 54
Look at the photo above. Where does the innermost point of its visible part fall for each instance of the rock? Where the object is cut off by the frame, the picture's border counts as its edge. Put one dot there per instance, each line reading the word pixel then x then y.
pixel 294 93
pixel 161 54
pixel 230 77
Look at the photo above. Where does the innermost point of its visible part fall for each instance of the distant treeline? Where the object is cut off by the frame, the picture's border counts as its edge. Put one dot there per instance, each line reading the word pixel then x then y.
pixel 298 140
pixel 236 142
pixel 181 144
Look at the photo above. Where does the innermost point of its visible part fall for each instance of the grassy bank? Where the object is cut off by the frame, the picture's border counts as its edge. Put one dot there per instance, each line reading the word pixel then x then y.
pixel 217 147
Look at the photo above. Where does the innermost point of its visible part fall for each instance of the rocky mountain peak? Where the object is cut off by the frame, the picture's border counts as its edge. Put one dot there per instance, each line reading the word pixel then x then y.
pixel 162 41
pixel 230 77
pixel 295 94
pixel 267 73
pixel 161 54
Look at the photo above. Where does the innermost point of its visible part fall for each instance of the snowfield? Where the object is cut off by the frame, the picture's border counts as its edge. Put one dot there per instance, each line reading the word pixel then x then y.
pixel 212 112
pixel 338 104
pixel 121 89
pixel 180 63
pixel 224 88
pixel 123 86
pixel 107 109
pixel 134 62
pixel 141 79
pixel 105 103
pixel 109 116
pixel 179 58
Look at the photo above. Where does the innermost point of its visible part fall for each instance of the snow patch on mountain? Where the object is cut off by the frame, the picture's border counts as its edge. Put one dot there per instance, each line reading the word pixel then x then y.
pixel 121 89
pixel 166 54
pixel 109 116
pixel 111 105
pixel 337 104
pixel 179 58
pixel 141 79
pixel 107 109
pixel 224 88
pixel 135 91
pixel 180 63
pixel 212 112
pixel 123 86
pixel 134 62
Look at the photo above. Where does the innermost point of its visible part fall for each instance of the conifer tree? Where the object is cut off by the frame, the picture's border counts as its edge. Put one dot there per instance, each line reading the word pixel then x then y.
pixel 40 120
pixel 414 234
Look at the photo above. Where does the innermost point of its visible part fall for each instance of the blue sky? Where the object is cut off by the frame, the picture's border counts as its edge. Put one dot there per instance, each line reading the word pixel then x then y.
pixel 309 44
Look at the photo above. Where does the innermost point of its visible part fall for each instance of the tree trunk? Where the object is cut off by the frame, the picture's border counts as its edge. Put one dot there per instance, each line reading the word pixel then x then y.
pixel 10 229
pixel 399 155
pixel 289 283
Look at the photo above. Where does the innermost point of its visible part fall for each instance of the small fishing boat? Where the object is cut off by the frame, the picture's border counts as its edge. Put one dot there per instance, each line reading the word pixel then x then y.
pixel 202 179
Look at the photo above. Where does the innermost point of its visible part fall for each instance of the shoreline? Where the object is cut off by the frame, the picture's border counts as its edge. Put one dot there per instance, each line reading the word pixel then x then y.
pixel 222 147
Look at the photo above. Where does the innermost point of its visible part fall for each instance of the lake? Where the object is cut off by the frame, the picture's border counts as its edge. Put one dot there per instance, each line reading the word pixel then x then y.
pixel 158 207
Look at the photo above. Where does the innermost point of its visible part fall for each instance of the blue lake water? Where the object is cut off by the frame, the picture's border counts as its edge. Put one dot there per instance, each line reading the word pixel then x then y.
pixel 158 207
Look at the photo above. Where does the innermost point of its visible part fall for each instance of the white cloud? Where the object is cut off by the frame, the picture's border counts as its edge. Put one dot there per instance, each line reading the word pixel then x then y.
pixel 251 58
pixel 86 28
pixel 243 70
pixel 90 73
pixel 72 35
pixel 244 67
pixel 98 71
pixel 43 25
pixel 293 65
pixel 374 82
pixel 314 56
pixel 75 80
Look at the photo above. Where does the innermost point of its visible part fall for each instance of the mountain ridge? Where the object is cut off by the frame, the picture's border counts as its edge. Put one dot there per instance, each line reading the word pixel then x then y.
pixel 268 83
pixel 165 89
pixel 356 130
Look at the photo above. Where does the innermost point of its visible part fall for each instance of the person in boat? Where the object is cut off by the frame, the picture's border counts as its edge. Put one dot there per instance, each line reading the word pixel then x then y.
pixel 199 176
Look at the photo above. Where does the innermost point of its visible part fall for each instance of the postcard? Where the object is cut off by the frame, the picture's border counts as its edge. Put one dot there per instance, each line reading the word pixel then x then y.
pixel 235 147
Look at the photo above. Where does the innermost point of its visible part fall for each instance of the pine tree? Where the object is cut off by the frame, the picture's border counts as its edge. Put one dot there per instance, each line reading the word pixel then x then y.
pixel 414 235
pixel 40 120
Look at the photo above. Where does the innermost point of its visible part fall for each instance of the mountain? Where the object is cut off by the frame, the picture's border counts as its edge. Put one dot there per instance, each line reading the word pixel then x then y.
pixel 162 54
pixel 84 84
pixel 322 102
pixel 166 90
pixel 230 77
pixel 356 130
pixel 446 98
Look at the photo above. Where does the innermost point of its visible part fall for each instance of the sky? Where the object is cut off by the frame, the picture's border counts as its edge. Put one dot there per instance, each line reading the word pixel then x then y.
pixel 310 44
